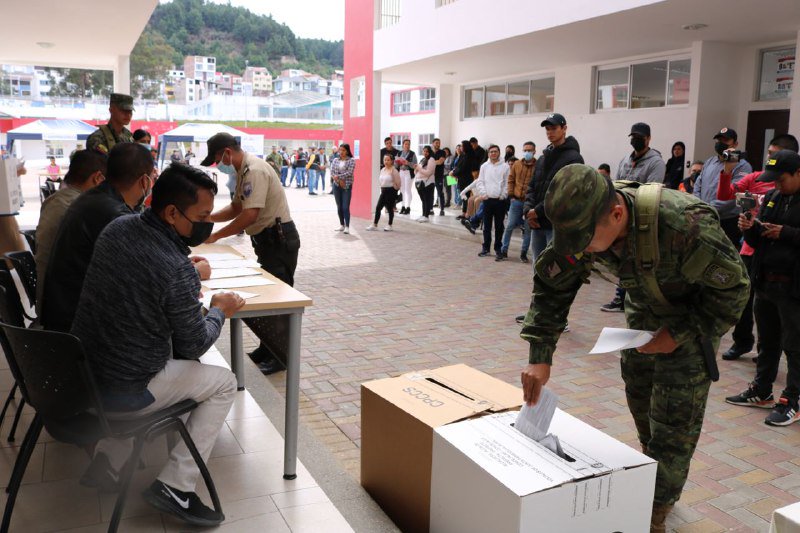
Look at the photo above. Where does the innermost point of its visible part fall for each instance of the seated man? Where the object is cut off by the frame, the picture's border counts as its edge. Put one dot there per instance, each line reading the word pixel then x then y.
pixel 129 178
pixel 86 171
pixel 142 325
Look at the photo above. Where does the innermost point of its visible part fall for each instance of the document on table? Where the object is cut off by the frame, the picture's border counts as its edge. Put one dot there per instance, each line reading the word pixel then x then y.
pixel 206 299
pixel 218 257
pixel 233 263
pixel 233 273
pixel 534 421
pixel 235 283
pixel 615 339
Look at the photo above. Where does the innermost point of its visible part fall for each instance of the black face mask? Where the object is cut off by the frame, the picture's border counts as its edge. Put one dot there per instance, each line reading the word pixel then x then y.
pixel 694 175
pixel 637 143
pixel 201 231
pixel 720 147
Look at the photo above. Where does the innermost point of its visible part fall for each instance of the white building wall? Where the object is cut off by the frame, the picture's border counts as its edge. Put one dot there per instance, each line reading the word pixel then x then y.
pixel 415 124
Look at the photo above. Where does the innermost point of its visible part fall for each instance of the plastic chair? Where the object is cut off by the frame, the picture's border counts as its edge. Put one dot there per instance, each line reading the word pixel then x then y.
pixel 30 237
pixel 56 380
pixel 11 313
pixel 25 265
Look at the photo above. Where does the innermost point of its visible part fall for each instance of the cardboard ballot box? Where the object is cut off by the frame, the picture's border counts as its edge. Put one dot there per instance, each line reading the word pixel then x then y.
pixel 398 416
pixel 487 476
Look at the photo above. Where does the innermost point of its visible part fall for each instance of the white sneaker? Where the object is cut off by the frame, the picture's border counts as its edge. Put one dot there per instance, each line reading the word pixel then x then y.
pixel 340 228
pixel 423 220
pixel 347 230
pixel 372 228
pixel 420 219
pixel 388 228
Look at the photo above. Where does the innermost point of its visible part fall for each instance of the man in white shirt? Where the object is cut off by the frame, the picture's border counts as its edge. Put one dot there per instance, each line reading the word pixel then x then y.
pixel 493 187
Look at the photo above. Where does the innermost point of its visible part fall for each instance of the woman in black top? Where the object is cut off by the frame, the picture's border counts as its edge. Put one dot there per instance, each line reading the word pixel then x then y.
pixel 675 164
pixel 463 169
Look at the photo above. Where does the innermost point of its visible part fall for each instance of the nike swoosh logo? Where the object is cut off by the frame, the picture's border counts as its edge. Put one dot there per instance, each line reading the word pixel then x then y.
pixel 182 503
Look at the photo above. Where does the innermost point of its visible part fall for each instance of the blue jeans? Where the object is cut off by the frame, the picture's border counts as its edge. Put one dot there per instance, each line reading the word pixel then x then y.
pixel 300 176
pixel 342 197
pixel 515 219
pixel 540 239
pixel 284 175
pixel 476 219
pixel 312 180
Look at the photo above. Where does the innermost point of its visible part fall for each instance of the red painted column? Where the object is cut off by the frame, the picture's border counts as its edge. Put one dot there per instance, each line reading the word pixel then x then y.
pixel 358 35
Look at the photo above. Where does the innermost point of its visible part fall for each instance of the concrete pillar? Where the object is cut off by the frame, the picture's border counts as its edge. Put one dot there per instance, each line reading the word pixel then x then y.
pixel 794 103
pixel 447 93
pixel 122 75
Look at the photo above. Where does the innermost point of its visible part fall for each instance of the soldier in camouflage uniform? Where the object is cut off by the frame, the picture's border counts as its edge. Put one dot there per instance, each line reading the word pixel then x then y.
pixel 685 281
pixel 107 135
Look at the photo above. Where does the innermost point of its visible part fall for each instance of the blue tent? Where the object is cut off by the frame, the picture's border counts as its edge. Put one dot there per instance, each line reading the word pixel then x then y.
pixel 51 130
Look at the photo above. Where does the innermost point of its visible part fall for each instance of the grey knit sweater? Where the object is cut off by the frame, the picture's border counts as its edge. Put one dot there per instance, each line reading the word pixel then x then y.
pixel 139 304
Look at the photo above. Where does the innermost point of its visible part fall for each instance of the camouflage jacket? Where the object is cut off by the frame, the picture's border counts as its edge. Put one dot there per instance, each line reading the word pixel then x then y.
pixel 699 272
pixel 100 142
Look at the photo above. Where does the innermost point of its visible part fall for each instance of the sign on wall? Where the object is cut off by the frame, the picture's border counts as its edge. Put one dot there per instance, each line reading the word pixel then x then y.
pixel 777 74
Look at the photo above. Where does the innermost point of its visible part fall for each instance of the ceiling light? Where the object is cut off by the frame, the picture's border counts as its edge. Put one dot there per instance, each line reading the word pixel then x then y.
pixel 450 73
pixel 696 26
pixel 46 44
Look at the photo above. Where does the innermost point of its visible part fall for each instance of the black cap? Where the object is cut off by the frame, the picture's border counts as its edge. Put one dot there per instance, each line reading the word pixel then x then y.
pixel 727 133
pixel 218 142
pixel 554 119
pixel 782 162
pixel 473 140
pixel 640 128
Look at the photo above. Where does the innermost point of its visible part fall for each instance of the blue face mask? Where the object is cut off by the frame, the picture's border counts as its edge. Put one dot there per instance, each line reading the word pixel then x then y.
pixel 227 169
pixel 527 155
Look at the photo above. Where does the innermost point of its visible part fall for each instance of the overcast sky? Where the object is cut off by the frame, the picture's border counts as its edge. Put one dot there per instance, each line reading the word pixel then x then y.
pixel 313 19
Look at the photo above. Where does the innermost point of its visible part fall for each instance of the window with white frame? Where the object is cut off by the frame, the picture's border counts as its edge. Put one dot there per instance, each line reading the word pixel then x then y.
pixel 654 83
pixel 427 99
pixel 776 73
pixel 512 98
pixel 401 102
pixel 54 149
pixel 398 138
pixel 425 139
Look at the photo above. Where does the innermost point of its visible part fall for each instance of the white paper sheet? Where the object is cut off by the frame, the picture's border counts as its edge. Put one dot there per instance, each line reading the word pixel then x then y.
pixel 218 257
pixel 233 263
pixel 615 339
pixel 233 273
pixel 534 422
pixel 235 283
pixel 206 299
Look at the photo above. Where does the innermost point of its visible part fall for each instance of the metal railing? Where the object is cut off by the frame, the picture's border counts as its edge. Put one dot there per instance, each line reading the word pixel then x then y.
pixel 389 13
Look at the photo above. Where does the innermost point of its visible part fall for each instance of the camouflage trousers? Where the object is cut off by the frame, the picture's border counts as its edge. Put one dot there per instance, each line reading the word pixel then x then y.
pixel 667 396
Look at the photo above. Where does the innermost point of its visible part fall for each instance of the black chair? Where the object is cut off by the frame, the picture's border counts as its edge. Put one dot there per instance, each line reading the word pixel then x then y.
pixel 11 313
pixel 25 265
pixel 56 380
pixel 30 237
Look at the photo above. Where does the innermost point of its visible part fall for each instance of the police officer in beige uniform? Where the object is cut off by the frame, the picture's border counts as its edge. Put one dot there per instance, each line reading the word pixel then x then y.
pixel 259 208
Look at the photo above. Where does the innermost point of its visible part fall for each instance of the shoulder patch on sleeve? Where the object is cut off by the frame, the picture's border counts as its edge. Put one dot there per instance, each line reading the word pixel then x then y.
pixel 718 275
pixel 247 189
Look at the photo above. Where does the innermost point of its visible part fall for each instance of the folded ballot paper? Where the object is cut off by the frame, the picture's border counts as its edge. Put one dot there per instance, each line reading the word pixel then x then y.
pixel 534 421
pixel 616 339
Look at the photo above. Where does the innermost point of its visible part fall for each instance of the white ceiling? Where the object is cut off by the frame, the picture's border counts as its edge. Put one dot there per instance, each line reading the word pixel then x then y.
pixel 646 30
pixel 85 33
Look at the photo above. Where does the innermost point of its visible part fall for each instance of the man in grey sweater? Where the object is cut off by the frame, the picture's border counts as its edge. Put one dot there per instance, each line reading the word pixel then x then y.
pixel 142 325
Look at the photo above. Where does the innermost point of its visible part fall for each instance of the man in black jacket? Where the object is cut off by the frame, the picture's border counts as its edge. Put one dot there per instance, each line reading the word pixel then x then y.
pixel 775 238
pixel 561 152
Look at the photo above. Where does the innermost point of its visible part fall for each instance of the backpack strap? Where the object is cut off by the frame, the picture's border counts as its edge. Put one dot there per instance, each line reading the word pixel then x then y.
pixel 648 197
pixel 111 140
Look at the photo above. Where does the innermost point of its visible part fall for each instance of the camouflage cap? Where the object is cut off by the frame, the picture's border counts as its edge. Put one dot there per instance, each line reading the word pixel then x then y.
pixel 122 101
pixel 575 200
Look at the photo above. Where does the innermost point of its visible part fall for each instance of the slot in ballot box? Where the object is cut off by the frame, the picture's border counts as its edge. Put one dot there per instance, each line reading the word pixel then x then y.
pixel 487 476
pixel 398 416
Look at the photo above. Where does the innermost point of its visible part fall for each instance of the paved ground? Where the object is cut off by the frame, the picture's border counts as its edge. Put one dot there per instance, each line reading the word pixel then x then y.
pixel 388 303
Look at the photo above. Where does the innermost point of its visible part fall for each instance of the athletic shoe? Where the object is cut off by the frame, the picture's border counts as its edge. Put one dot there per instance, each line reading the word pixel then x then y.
pixel 735 352
pixel 566 328
pixel 460 217
pixel 483 253
pixel 614 306
pixel 466 224
pixel 783 414
pixel 524 259
pixel 184 505
pixel 520 319
pixel 388 228
pixel 100 474
pixel 423 220
pixel 372 228
pixel 346 230
pixel 500 256
pixel 441 212
pixel 340 228
pixel 312 194
pixel 751 398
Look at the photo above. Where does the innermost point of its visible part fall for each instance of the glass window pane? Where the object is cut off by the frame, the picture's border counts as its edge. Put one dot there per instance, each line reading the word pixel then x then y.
pixel 678 84
pixel 495 100
pixel 648 84
pixel 612 88
pixel 542 95
pixel 777 74
pixel 518 98
pixel 473 102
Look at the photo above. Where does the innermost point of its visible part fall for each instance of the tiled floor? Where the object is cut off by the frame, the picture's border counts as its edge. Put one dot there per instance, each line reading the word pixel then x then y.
pixel 246 464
